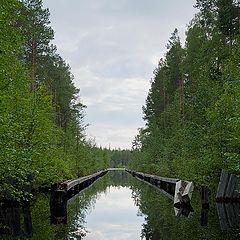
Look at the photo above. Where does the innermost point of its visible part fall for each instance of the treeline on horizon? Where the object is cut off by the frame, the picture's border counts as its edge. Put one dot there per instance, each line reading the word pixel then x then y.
pixel 192 110
pixel 42 129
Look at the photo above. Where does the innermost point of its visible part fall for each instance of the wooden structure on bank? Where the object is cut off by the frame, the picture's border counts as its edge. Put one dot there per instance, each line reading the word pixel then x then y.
pixel 177 190
pixel 165 185
pixel 77 184
pixel 228 200
pixel 183 192
pixel 228 188
pixel 228 214
pixel 63 192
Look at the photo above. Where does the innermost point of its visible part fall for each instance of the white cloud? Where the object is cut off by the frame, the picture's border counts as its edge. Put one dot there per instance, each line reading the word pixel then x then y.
pixel 113 48
pixel 116 136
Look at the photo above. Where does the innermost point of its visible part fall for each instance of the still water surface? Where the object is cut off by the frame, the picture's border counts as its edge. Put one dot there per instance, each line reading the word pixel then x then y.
pixel 120 207
pixel 114 216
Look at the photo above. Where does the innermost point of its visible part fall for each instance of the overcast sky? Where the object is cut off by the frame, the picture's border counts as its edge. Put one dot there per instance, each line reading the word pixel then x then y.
pixel 113 47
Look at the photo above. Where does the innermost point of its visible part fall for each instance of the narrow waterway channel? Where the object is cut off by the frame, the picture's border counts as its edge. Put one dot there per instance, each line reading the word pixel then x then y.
pixel 117 207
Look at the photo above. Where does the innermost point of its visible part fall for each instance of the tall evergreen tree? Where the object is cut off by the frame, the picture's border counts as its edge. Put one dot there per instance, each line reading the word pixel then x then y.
pixel 38 34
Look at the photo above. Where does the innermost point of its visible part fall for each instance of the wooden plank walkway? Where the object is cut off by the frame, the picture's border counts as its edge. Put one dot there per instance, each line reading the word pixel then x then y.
pixel 164 184
pixel 228 188
pixel 63 192
pixel 154 177
pixel 82 181
pixel 177 190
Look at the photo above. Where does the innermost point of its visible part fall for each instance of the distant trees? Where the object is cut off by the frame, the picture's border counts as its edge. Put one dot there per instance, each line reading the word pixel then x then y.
pixel 191 110
pixel 120 158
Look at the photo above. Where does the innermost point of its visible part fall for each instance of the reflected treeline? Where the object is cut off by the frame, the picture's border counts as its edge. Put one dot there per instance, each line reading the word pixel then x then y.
pixel 161 222
pixel 15 219
pixel 85 201
pixel 119 178
pixel 34 221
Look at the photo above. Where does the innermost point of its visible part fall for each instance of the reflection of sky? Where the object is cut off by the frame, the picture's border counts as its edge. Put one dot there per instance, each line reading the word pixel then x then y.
pixel 114 217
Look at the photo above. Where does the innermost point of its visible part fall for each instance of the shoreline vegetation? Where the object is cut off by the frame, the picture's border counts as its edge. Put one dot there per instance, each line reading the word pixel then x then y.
pixel 192 110
pixel 42 128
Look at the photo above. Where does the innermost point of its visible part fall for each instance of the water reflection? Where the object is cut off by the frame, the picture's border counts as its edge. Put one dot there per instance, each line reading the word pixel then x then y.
pixel 119 206
pixel 114 216
pixel 161 223
pixel 229 214
pixel 10 219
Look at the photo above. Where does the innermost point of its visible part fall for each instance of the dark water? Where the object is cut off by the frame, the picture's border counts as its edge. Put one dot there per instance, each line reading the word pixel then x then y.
pixel 120 207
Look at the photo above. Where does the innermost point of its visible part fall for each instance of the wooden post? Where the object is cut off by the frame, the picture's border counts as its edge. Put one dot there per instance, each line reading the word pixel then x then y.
pixel 58 207
pixel 227 189
pixel 223 183
pixel 229 214
pixel 236 209
pixel 231 185
pixel 11 218
pixel 27 219
pixel 204 216
pixel 205 197
pixel 222 216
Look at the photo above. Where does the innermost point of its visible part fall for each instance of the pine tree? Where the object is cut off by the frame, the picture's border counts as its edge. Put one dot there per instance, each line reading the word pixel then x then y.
pixel 38 34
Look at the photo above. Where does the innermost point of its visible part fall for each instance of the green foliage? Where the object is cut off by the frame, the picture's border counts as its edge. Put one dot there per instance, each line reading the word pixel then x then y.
pixel 192 109
pixel 120 158
pixel 42 137
pixel 164 222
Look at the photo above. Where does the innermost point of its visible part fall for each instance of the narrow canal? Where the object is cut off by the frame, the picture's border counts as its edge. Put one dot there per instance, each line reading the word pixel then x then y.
pixel 118 207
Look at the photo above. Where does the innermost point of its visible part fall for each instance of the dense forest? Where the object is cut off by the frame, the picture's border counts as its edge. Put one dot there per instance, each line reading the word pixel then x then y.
pixel 192 110
pixel 42 130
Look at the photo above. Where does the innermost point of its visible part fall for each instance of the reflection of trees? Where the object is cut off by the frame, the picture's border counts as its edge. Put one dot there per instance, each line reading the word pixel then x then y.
pixel 77 210
pixel 161 223
pixel 119 178
pixel 82 206
pixel 85 203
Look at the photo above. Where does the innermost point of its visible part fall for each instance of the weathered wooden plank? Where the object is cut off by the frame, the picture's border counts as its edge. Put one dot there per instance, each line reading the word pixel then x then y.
pixel 155 181
pixel 178 193
pixel 222 216
pixel 166 193
pixel 187 192
pixel 69 184
pixel 204 216
pixel 76 195
pixel 236 208
pixel 224 178
pixel 205 196
pixel 230 214
pixel 165 179
pixel 229 193
pixel 167 186
pixel 183 192
pixel 159 189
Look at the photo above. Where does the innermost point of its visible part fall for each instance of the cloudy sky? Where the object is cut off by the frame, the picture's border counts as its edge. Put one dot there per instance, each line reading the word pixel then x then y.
pixel 113 47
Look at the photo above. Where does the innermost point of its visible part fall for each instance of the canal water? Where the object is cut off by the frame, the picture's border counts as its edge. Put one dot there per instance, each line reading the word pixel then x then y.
pixel 120 207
